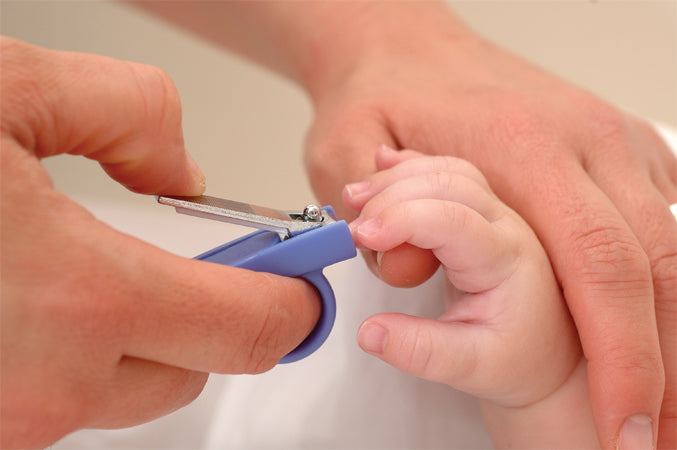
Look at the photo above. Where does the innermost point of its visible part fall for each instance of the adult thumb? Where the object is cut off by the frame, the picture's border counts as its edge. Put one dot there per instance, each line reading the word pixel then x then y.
pixel 341 148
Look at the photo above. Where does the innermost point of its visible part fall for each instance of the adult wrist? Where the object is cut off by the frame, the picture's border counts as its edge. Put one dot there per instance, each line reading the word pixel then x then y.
pixel 349 36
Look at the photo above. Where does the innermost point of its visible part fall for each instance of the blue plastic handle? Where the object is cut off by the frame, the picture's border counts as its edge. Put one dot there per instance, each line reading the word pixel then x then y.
pixel 302 255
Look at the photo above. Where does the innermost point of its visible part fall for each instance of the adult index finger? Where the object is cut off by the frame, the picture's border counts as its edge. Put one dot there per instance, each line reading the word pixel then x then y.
pixel 125 115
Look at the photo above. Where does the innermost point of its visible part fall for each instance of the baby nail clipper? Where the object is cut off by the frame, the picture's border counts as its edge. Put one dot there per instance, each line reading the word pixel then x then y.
pixel 291 244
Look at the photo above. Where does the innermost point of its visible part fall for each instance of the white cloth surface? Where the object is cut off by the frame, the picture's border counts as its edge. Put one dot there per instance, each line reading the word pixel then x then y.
pixel 338 397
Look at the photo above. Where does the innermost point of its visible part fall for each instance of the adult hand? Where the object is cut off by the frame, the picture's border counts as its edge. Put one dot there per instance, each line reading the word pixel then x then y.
pixel 98 328
pixel 594 183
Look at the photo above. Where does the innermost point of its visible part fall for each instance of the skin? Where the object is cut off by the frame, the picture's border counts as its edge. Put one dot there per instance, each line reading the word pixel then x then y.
pixel 100 330
pixel 506 335
pixel 593 182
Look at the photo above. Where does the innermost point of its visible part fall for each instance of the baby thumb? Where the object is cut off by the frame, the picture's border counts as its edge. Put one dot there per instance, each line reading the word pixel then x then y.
pixel 426 348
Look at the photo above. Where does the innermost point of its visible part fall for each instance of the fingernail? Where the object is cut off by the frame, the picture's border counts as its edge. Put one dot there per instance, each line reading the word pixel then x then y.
pixel 355 224
pixel 636 433
pixel 356 188
pixel 369 227
pixel 387 148
pixel 379 259
pixel 372 337
pixel 197 173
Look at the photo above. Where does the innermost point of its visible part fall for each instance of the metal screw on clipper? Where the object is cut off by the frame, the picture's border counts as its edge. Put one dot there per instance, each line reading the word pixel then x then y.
pixel 312 213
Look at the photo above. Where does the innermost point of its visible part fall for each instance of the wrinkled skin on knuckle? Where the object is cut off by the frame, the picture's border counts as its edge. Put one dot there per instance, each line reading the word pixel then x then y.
pixel 163 109
pixel 638 364
pixel 608 254
pixel 157 125
pixel 277 330
pixel 264 353
pixel 26 110
pixel 441 181
pixel 615 269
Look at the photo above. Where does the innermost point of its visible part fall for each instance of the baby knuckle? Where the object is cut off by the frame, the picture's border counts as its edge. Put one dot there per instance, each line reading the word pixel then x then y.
pixel 460 217
pixel 471 171
pixel 448 181
pixel 441 181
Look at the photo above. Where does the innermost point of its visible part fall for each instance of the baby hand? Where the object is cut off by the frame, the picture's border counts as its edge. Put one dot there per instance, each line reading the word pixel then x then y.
pixel 506 335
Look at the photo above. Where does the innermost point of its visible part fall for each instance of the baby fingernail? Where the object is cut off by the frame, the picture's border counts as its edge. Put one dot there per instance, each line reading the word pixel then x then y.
pixel 357 188
pixel 369 227
pixel 636 433
pixel 372 337
pixel 387 148
pixel 379 259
